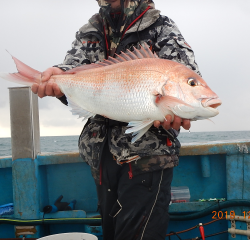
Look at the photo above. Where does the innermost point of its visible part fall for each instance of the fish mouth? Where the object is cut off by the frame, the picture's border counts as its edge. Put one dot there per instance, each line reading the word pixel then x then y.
pixel 211 102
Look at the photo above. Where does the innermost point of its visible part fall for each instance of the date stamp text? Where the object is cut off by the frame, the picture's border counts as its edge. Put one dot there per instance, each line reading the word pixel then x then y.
pixel 231 214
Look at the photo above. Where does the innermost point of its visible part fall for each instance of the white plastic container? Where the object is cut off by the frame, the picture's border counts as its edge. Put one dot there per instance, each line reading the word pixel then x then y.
pixel 180 194
pixel 70 236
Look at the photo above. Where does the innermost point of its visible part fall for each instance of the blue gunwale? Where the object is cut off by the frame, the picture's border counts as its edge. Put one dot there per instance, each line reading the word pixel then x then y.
pixel 225 173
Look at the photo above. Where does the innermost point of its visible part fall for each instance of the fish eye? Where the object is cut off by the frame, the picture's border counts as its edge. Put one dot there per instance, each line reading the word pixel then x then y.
pixel 192 82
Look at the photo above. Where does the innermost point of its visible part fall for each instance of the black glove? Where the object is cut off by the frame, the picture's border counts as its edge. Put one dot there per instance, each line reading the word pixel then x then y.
pixel 59 206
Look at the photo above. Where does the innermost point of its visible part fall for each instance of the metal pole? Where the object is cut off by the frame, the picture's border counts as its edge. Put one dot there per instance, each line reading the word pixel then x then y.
pixel 24 118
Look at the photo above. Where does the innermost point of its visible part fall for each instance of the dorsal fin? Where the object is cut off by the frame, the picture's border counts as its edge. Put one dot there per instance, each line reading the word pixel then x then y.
pixel 143 52
pixel 120 58
pixel 132 55
pixel 114 60
pixel 103 64
pixel 84 67
pixel 156 56
pixel 126 56
pixel 148 51
pixel 138 53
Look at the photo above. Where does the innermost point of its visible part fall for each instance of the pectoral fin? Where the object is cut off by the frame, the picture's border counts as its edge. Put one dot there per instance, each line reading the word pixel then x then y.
pixel 169 103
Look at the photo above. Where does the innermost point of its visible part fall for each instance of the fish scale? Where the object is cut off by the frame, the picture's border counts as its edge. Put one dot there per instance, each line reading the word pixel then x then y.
pixel 130 94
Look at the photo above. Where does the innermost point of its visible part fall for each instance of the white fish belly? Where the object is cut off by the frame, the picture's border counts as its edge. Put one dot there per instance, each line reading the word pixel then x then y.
pixel 115 98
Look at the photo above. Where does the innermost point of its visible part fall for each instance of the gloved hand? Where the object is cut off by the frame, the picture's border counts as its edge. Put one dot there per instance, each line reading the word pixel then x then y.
pixel 59 206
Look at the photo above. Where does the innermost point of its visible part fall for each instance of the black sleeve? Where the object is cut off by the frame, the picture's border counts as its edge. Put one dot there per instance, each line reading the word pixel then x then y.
pixel 63 99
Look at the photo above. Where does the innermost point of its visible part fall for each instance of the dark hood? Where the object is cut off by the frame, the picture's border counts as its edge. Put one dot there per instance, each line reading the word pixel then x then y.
pixel 115 29
pixel 130 9
pixel 128 6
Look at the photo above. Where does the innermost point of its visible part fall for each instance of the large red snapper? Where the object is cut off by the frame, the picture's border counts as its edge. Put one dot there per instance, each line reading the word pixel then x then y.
pixel 135 87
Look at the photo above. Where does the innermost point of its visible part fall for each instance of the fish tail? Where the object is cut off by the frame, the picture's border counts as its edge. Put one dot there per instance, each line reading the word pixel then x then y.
pixel 25 75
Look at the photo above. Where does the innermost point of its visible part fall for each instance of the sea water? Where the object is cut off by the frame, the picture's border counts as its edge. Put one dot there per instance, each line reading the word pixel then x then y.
pixel 70 143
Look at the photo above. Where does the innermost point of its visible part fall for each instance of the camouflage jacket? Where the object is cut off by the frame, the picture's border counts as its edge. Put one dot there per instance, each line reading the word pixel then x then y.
pixel 151 151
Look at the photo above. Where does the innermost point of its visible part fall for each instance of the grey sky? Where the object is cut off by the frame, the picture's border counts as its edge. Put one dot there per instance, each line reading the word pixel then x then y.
pixel 40 32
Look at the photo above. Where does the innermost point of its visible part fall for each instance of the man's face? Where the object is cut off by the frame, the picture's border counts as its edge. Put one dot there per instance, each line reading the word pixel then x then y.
pixel 115 4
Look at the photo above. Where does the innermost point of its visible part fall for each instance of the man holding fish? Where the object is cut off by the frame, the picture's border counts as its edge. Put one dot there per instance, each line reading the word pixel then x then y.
pixel 133 179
